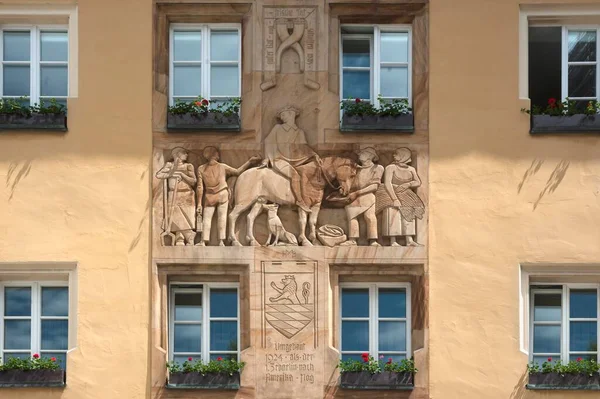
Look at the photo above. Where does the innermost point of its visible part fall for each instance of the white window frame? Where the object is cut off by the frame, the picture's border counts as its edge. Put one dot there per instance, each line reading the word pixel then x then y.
pixel 204 288
pixel 205 61
pixel 564 290
pixel 35 62
pixel 566 63
pixel 374 318
pixel 375 57
pixel 36 316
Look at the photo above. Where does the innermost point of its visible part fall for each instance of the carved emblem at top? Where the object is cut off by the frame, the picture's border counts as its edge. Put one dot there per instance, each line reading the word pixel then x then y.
pixel 289 29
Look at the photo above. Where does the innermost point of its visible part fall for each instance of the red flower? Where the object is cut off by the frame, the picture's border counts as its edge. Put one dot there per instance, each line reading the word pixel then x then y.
pixel 36 356
pixel 52 359
pixel 551 101
pixel 549 359
pixel 198 103
pixel 219 359
pixel 389 361
pixel 357 100
pixel 189 359
pixel 579 359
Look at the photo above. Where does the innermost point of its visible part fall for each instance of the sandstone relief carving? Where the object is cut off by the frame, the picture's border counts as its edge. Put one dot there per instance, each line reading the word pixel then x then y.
pixel 291 175
pixel 289 29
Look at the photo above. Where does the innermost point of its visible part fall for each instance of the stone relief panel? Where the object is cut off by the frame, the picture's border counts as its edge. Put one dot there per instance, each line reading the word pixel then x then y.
pixel 289 29
pixel 290 183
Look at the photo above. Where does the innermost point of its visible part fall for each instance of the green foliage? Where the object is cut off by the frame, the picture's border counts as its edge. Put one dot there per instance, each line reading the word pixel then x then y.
pixel 20 106
pixel 31 363
pixel 393 107
pixel 579 366
pixel 201 105
pixel 228 366
pixel 565 108
pixel 373 366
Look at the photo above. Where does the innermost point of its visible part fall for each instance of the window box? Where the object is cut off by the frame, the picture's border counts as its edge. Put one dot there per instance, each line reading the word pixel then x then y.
pixel 34 122
pixel 203 121
pixel 565 124
pixel 399 123
pixel 383 380
pixel 207 381
pixel 552 381
pixel 33 378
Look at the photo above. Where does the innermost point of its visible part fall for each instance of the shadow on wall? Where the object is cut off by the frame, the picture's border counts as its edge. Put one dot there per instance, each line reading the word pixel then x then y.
pixel 147 213
pixel 17 171
pixel 556 177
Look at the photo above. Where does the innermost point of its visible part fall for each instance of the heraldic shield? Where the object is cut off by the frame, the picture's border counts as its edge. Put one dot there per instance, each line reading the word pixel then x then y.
pixel 289 301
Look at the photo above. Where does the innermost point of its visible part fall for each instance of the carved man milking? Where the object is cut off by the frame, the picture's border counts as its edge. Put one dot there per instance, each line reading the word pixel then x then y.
pixel 179 181
pixel 286 148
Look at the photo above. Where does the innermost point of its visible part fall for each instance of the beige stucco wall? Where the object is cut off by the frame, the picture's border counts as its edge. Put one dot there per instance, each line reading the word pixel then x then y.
pixel 83 197
pixel 498 197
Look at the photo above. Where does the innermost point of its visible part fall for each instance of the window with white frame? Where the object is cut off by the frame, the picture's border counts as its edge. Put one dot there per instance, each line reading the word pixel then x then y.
pixel 563 63
pixel 205 61
pixel 35 63
pixel 376 61
pixel 375 319
pixel 204 322
pixel 35 320
pixel 564 322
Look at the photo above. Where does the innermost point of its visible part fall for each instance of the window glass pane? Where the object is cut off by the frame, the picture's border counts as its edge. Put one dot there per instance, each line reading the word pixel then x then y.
pixel 394 47
pixel 55 301
pixel 186 80
pixel 542 359
pixel 224 45
pixel 357 84
pixel 184 358
pixel 584 357
pixel 188 307
pixel 583 304
pixel 17 334
pixel 223 302
pixel 224 81
pixel 545 64
pixel 352 356
pixel 392 336
pixel 17 355
pixel 582 45
pixel 55 46
pixel 17 46
pixel 355 336
pixel 546 307
pixel 394 82
pixel 582 80
pixel 356 53
pixel 54 334
pixel 223 356
pixel 546 339
pixel 583 335
pixel 61 358
pixel 187 46
pixel 16 80
pixel 223 335
pixel 355 302
pixel 17 301
pixel 395 357
pixel 187 337
pixel 54 80
pixel 392 302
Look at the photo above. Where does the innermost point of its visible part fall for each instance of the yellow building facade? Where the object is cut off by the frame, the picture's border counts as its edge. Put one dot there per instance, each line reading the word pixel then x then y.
pixel 120 217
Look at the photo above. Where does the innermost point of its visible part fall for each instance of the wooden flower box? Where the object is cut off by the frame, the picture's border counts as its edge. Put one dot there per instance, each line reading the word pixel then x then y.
pixel 399 123
pixel 565 124
pixel 202 122
pixel 33 378
pixel 56 122
pixel 382 381
pixel 557 381
pixel 207 381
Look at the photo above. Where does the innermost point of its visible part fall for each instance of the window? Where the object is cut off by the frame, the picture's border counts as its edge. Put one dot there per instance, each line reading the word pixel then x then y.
pixel 204 322
pixel 35 319
pixel 563 62
pixel 375 318
pixel 376 60
pixel 35 63
pixel 205 61
pixel 564 322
